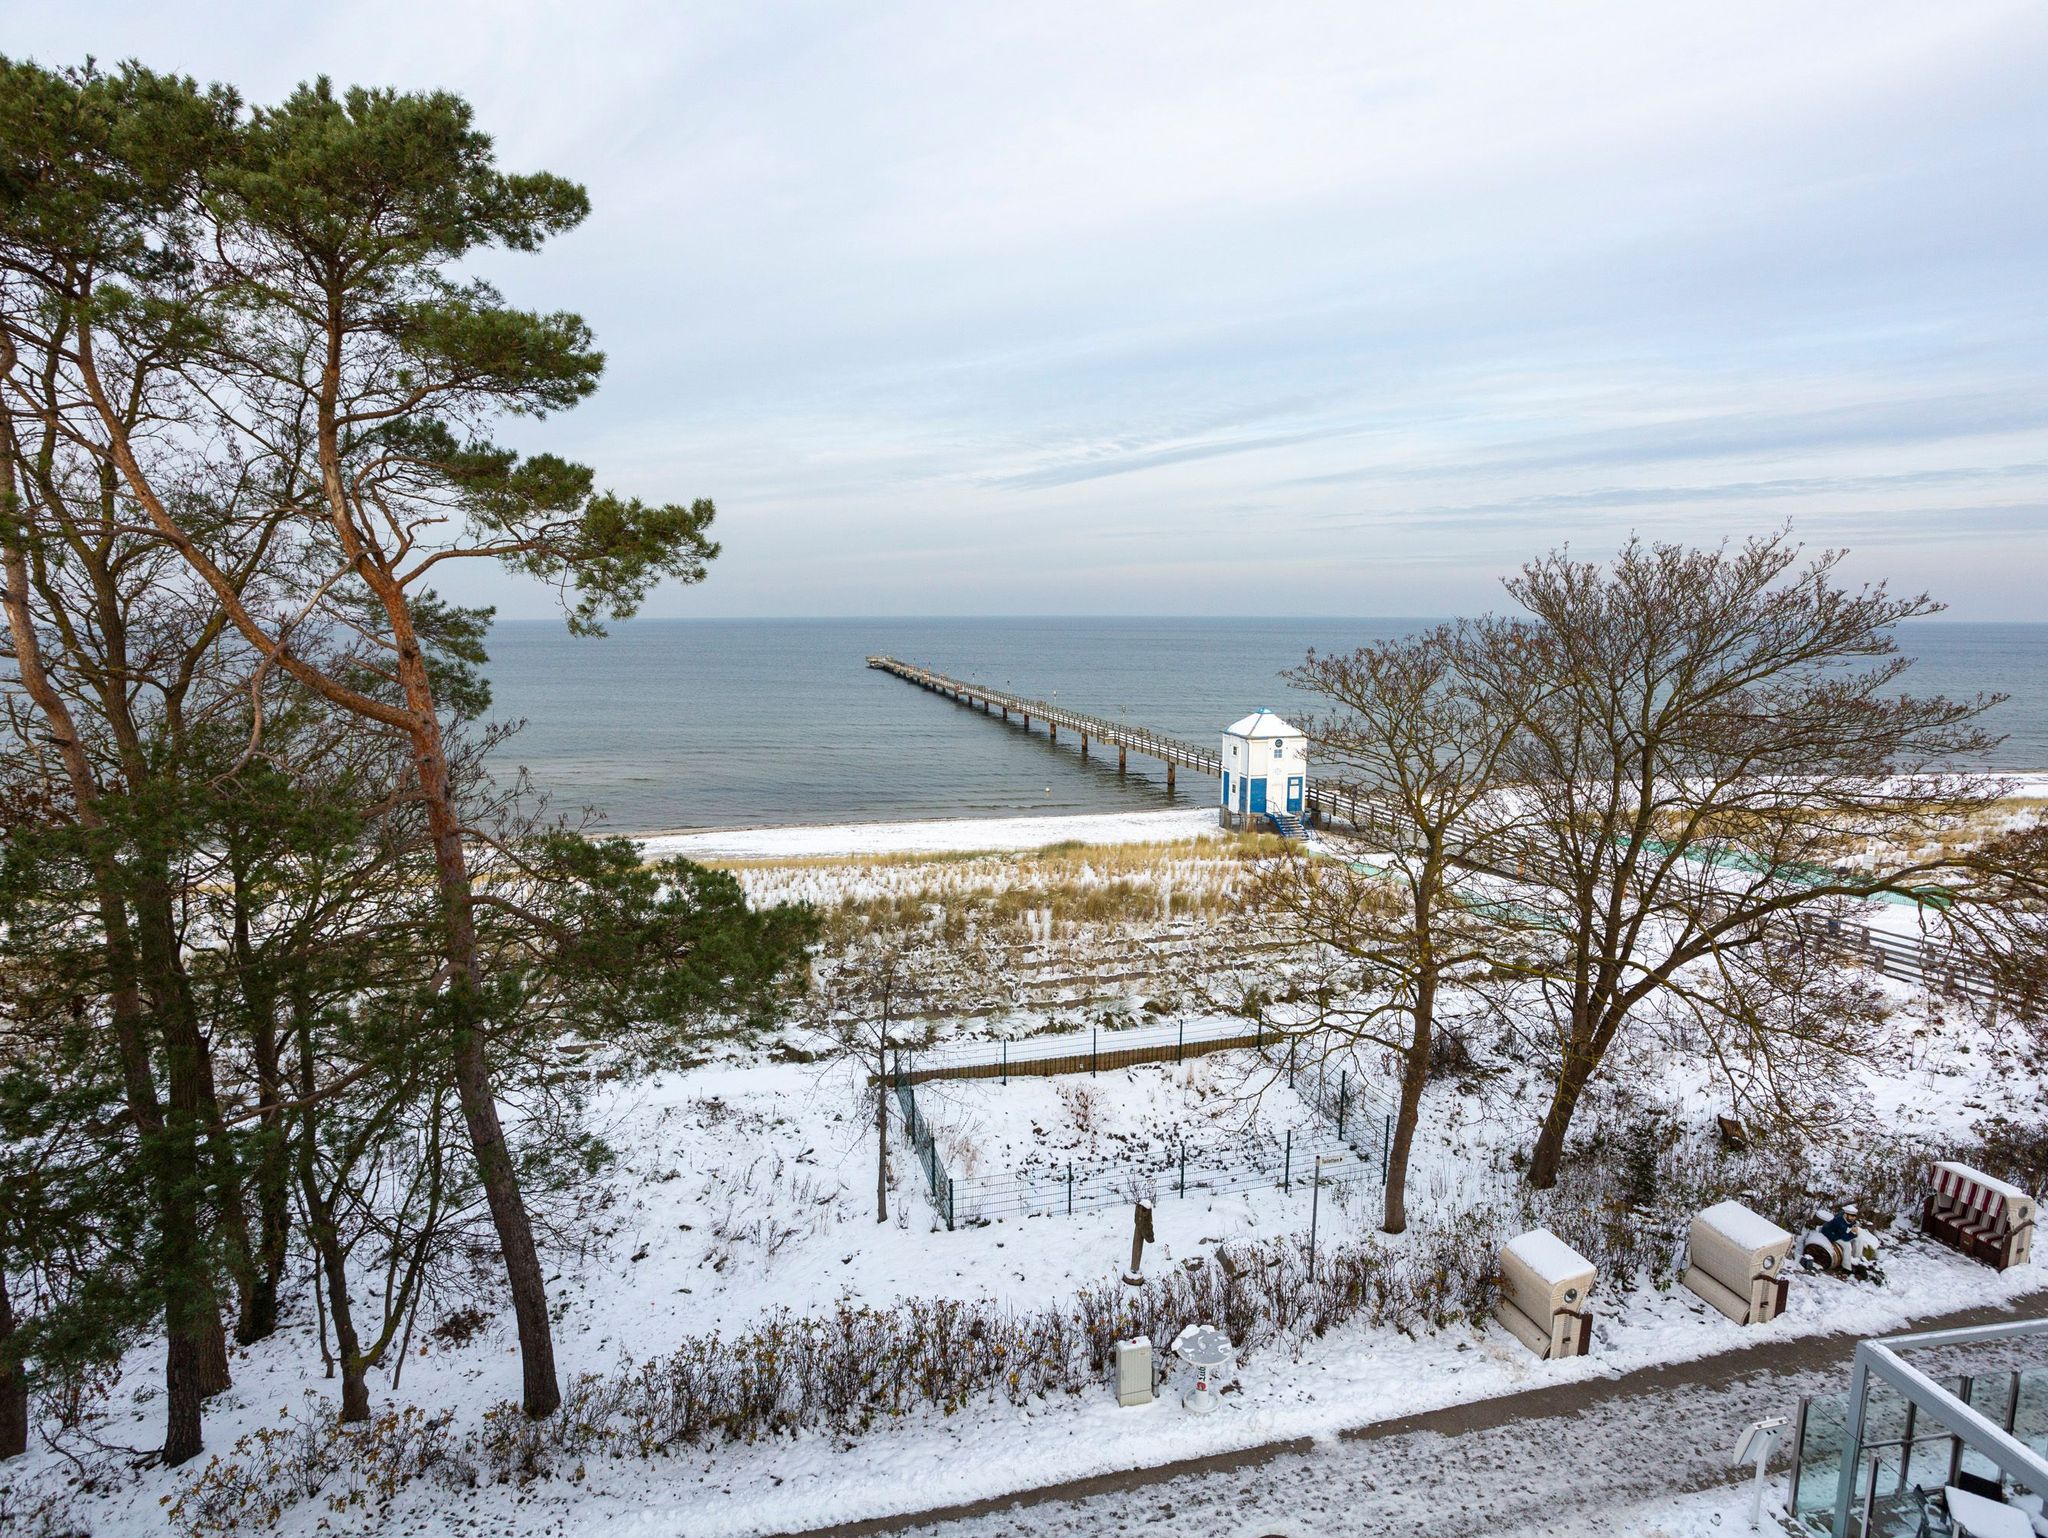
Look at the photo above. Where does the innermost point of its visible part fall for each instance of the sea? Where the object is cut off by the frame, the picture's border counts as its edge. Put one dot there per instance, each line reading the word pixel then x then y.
pixel 667 725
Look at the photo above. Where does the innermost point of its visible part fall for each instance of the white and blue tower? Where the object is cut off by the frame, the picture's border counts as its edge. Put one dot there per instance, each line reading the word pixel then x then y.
pixel 1265 774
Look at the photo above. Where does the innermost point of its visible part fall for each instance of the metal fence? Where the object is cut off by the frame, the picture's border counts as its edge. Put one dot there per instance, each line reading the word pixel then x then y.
pixel 1351 1144
pixel 1362 1120
pixel 918 1133
pixel 1281 1163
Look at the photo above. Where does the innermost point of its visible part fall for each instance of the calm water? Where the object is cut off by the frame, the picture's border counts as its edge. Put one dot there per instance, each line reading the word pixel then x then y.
pixel 732 723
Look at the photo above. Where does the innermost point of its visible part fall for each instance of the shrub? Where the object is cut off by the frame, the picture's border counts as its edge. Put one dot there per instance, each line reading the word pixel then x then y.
pixel 353 1468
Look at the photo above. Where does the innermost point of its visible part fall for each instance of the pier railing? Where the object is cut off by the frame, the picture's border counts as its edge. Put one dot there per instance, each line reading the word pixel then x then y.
pixel 1139 739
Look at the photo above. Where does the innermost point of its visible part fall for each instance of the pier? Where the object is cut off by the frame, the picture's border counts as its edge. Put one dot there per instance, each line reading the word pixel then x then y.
pixel 1172 751
pixel 1358 812
pixel 1913 958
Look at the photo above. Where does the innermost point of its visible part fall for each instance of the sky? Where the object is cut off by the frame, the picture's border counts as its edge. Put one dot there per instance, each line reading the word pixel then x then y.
pixel 1226 309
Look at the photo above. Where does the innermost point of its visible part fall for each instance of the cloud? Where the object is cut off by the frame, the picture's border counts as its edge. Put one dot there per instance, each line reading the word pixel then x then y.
pixel 945 304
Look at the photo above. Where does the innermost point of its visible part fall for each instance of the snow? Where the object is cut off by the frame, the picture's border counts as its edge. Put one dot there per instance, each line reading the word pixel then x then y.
pixel 694 1139
pixel 1743 1227
pixel 948 836
pixel 1261 723
pixel 1549 1256
pixel 1981 1518
pixel 747 1185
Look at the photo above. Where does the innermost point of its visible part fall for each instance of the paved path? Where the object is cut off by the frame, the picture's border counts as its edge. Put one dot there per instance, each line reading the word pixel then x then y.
pixel 1544 1461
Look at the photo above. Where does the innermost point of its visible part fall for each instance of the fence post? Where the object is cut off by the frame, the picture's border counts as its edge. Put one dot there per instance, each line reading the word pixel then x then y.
pixel 1006 1059
pixel 1180 1039
pixel 1287 1169
pixel 949 1204
pixel 1183 1167
pixel 1070 1190
pixel 1386 1147
pixel 1343 1090
pixel 1292 1043
pixel 1315 1202
pixel 1093 1048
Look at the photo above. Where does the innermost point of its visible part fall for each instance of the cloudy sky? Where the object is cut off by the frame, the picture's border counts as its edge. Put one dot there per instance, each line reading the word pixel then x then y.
pixel 1191 309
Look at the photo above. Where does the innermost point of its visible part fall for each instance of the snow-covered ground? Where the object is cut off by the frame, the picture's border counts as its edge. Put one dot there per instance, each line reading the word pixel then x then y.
pixel 747 1185
pixel 950 835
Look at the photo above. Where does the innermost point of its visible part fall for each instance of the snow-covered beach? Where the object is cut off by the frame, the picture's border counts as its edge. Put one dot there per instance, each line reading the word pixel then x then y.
pixel 955 835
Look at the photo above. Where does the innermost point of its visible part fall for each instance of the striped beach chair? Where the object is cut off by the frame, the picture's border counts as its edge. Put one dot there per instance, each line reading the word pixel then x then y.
pixel 1982 1217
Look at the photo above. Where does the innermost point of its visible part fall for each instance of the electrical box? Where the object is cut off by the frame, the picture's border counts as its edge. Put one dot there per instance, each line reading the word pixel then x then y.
pixel 1134 1371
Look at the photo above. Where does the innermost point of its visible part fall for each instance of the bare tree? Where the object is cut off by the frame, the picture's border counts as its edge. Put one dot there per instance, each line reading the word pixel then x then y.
pixel 1383 933
pixel 2001 931
pixel 1711 747
pixel 864 1010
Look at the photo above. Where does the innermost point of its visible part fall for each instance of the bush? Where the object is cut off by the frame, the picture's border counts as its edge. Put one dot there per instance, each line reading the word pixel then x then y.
pixel 354 1468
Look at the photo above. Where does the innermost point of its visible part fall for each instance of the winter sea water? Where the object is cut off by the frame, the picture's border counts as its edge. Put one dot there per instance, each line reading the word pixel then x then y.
pixel 669 724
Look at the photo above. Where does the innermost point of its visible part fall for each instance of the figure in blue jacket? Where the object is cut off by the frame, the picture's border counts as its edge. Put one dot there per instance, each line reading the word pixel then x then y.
pixel 1842 1226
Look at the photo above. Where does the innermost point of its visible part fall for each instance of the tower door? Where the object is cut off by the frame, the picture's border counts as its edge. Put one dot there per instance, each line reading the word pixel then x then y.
pixel 1259 794
pixel 1294 793
pixel 1226 787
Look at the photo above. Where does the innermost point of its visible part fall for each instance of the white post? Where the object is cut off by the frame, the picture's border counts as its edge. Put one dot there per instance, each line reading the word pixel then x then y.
pixel 1758 1441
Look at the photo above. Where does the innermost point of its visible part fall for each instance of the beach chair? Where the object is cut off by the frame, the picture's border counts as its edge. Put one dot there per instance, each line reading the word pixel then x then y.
pixel 1984 1218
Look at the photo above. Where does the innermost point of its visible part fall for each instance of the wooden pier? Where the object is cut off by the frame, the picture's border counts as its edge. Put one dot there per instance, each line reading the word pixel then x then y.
pixel 1171 751
pixel 1357 812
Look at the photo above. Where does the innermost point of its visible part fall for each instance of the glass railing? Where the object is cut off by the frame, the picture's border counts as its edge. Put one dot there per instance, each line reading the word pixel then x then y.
pixel 2030 1412
pixel 1907 1454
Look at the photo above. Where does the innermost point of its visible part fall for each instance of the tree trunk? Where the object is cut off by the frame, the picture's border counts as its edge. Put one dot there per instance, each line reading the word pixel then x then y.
pixel 1414 1079
pixel 541 1393
pixel 881 1135
pixel 331 1260
pixel 191 1112
pixel 326 1239
pixel 1547 1157
pixel 13 1385
pixel 172 1189
pixel 257 1316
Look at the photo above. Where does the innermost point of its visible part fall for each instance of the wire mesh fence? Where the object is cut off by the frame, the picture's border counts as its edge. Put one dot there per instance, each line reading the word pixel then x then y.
pixel 1348 1144
pixel 1283 1163
pixel 918 1132
pixel 1362 1120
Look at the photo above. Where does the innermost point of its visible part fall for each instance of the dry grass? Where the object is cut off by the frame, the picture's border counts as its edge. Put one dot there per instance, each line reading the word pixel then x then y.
pixel 1014 895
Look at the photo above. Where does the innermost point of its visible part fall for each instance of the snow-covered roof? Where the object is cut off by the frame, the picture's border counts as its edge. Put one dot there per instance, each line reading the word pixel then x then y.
pixel 2011 1193
pixel 1549 1256
pixel 1262 723
pixel 1742 1227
